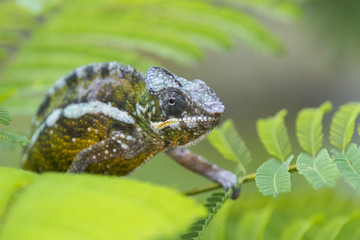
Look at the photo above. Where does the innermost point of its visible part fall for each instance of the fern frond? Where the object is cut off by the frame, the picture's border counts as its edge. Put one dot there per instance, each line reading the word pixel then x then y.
pixel 348 164
pixel 229 143
pixel 273 134
pixel 299 227
pixel 309 128
pixel 4 116
pixel 124 31
pixel 319 171
pixel 240 24
pixel 213 204
pixel 272 177
pixel 216 228
pixel 14 138
pixel 342 125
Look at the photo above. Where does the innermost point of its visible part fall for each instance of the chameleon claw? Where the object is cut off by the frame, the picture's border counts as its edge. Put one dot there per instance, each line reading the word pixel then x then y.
pixel 228 181
pixel 236 192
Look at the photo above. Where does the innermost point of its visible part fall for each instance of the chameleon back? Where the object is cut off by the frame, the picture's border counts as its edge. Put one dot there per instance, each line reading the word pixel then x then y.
pixel 81 109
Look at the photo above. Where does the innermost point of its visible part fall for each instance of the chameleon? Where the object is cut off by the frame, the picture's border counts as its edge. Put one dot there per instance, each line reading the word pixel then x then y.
pixel 109 118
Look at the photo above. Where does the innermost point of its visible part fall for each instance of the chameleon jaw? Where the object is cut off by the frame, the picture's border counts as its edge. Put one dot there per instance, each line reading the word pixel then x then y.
pixel 174 122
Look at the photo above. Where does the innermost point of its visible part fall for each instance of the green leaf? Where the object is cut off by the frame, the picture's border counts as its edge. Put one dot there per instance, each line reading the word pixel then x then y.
pixel 273 134
pixel 309 128
pixel 299 227
pixel 5 94
pixel 293 214
pixel 333 227
pixel 213 204
pixel 348 164
pixel 14 138
pixel 229 143
pixel 272 177
pixel 253 224
pixel 217 228
pixel 4 116
pixel 146 34
pixel 62 206
pixel 342 125
pixel 11 182
pixel 319 171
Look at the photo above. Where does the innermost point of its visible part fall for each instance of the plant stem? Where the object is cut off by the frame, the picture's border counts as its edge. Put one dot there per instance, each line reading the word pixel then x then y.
pixel 246 178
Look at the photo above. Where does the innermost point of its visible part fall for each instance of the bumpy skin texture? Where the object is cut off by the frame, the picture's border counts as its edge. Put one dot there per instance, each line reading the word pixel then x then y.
pixel 109 119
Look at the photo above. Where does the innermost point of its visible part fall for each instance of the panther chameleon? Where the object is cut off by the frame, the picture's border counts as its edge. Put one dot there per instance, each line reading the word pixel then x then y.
pixel 108 118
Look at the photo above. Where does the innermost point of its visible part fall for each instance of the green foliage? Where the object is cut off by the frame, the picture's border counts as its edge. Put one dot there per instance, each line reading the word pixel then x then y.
pixel 138 33
pixel 4 116
pixel 299 227
pixel 319 171
pixel 213 204
pixel 11 182
pixel 217 229
pixel 5 119
pixel 273 134
pixel 272 177
pixel 14 138
pixel 88 207
pixel 303 214
pixel 342 125
pixel 332 228
pixel 253 224
pixel 309 128
pixel 5 94
pixel 229 143
pixel 348 164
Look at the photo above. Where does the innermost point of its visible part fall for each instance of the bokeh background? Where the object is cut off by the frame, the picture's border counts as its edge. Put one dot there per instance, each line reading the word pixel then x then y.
pixel 305 53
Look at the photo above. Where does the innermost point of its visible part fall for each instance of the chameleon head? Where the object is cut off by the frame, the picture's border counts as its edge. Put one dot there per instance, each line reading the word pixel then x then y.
pixel 188 109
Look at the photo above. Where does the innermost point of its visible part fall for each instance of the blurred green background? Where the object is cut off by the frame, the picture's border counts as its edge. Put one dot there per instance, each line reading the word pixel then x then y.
pixel 259 56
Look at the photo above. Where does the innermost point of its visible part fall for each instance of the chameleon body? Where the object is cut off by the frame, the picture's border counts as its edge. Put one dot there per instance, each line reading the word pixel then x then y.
pixel 109 119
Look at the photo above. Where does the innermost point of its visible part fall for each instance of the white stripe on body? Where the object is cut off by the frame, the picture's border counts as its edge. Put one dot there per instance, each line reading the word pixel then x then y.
pixel 77 110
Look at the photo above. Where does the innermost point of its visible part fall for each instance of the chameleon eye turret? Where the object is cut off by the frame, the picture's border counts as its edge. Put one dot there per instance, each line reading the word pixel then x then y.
pixel 173 103
pixel 109 119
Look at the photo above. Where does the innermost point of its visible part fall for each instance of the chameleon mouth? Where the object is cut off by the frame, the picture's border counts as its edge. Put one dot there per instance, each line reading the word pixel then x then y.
pixel 174 122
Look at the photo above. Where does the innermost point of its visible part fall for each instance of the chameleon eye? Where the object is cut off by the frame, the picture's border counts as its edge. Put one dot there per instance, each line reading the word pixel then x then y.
pixel 173 103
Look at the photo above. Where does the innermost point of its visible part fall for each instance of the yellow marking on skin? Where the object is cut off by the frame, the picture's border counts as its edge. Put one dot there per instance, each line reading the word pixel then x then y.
pixel 161 125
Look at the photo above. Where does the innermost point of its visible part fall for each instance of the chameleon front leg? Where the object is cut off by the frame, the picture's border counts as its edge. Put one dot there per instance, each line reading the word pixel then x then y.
pixel 88 156
pixel 117 146
pixel 200 165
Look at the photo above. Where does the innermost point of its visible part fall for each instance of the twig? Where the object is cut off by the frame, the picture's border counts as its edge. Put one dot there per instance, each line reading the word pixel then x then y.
pixel 246 178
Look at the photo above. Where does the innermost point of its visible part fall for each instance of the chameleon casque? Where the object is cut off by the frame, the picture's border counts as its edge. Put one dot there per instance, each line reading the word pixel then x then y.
pixel 109 119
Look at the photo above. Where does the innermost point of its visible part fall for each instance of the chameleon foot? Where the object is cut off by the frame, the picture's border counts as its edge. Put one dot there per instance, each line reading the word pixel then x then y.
pixel 200 165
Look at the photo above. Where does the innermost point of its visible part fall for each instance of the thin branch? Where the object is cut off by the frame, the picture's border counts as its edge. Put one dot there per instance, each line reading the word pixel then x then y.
pixel 246 178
